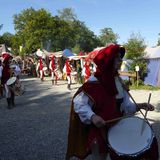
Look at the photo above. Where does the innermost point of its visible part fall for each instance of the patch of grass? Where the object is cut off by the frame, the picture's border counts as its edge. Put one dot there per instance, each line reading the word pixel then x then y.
pixel 144 87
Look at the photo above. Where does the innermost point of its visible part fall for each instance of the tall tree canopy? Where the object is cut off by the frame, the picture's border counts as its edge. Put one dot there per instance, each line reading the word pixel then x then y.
pixel 6 38
pixel 33 28
pixel 108 36
pixel 135 52
pixel 39 29
pixel 67 14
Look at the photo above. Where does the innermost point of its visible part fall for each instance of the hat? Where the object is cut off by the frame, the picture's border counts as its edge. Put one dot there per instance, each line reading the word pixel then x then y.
pixel 5 57
pixel 105 57
pixel 105 71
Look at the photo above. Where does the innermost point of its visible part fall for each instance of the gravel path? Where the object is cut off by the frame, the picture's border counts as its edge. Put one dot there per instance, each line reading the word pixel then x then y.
pixel 36 129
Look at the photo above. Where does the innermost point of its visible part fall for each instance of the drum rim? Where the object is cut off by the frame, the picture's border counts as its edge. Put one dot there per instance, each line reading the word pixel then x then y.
pixel 12 79
pixel 137 153
pixel 44 68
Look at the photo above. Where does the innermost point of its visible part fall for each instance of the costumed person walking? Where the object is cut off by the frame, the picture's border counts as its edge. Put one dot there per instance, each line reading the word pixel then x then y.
pixel 86 71
pixel 7 81
pixel 41 69
pixel 67 69
pixel 98 105
pixel 52 67
pixel 79 72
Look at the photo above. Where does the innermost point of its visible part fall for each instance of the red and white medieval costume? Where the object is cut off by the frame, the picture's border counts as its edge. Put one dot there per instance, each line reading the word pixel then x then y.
pixel 86 71
pixel 100 95
pixel 52 68
pixel 5 77
pixel 41 69
pixel 67 70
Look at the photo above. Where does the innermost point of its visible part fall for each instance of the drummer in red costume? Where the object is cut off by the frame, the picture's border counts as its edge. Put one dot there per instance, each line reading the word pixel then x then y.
pixel 6 74
pixel 98 100
pixel 67 69
pixel 41 69
pixel 52 67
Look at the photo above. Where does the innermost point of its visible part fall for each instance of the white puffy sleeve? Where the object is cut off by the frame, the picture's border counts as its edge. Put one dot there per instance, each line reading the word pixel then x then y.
pixel 128 106
pixel 83 107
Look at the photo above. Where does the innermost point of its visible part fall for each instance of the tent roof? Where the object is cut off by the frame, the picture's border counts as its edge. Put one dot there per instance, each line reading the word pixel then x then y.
pixel 67 53
pixel 152 52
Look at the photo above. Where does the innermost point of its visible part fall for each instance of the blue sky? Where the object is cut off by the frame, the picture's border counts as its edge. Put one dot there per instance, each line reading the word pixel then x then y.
pixel 123 16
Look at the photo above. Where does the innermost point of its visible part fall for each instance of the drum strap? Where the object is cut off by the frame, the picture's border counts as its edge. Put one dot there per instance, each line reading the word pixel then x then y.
pixel 124 87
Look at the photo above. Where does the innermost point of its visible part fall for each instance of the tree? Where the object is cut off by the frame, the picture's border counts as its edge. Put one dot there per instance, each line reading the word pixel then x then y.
pixel 135 52
pixel 108 36
pixel 6 38
pixel 38 29
pixel 67 14
pixel 33 28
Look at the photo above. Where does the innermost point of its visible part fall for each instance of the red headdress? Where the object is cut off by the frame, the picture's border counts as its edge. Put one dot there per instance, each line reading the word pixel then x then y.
pixel 6 57
pixel 104 59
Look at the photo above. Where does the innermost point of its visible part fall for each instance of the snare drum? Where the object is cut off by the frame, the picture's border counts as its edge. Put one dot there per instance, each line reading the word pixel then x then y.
pixel 11 81
pixel 126 140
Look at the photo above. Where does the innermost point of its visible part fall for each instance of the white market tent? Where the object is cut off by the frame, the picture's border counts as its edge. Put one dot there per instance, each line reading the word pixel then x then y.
pixel 153 58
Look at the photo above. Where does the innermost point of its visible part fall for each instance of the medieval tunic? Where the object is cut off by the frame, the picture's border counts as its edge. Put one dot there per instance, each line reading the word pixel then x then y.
pixel 91 99
pixel 52 67
pixel 84 106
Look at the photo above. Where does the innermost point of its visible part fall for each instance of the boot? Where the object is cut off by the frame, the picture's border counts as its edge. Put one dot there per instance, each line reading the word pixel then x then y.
pixel 52 82
pixel 69 86
pixel 9 103
pixel 12 101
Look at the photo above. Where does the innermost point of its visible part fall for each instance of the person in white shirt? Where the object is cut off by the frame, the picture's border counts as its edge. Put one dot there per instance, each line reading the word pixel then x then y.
pixel 102 98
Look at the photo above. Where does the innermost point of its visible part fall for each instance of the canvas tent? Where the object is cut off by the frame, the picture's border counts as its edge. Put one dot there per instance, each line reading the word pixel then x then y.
pixel 153 58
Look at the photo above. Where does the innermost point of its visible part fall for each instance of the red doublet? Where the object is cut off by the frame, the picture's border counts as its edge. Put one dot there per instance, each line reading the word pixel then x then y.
pixel 87 71
pixel 68 68
pixel 105 107
pixel 53 64
pixel 40 64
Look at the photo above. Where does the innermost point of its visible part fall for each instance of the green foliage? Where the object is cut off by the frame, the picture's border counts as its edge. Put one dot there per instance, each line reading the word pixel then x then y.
pixel 141 85
pixel 67 14
pixel 33 28
pixel 135 51
pixel 108 36
pixel 38 29
pixel 76 49
pixel 6 38
pixel 135 47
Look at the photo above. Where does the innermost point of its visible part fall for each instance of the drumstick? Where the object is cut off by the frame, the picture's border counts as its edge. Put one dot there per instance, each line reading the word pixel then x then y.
pixel 119 118
pixel 143 124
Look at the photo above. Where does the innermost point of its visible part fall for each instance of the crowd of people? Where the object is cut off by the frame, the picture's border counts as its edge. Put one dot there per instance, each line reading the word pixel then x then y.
pixel 40 67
